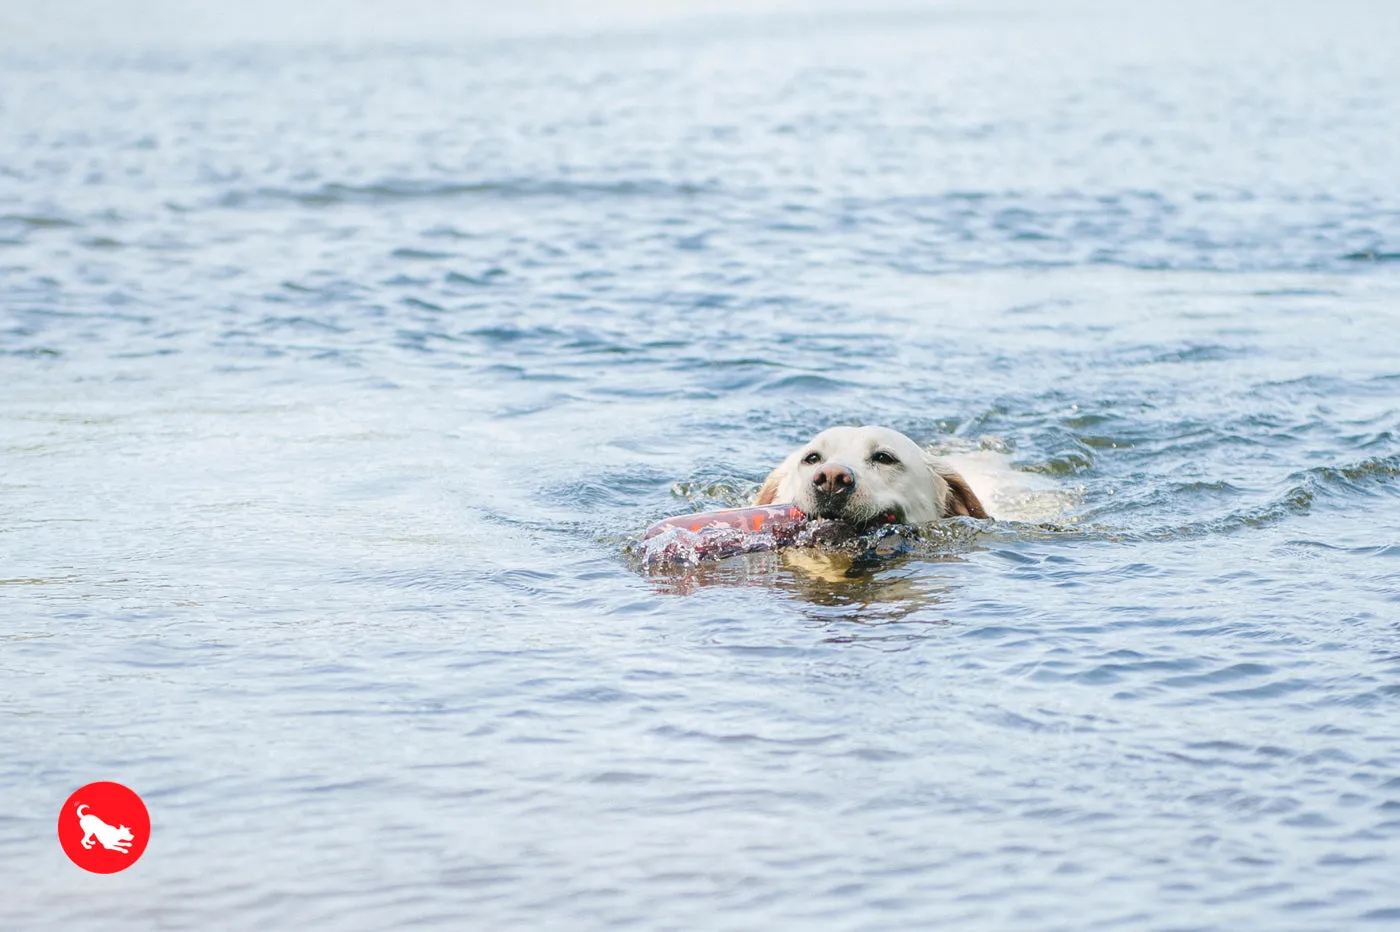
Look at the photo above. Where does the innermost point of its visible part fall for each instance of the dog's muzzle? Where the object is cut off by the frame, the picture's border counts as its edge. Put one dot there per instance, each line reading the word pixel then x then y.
pixel 832 486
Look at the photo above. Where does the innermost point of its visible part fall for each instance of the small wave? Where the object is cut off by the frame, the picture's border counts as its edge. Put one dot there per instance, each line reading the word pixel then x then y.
pixel 711 489
pixel 1356 478
pixel 330 195
pixel 610 491
pixel 33 352
pixel 38 222
pixel 1138 229
pixel 1306 490
pixel 805 383
pixel 487 277
pixel 420 254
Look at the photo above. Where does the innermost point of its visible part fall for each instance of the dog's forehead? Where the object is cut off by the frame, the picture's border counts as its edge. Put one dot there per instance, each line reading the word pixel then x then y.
pixel 893 439
pixel 834 438
pixel 867 437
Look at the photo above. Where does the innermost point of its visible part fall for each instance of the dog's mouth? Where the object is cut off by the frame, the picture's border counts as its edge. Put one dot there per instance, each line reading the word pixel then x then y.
pixel 861 522
pixel 884 519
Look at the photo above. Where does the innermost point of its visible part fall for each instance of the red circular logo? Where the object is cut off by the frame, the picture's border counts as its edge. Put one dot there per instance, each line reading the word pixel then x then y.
pixel 104 827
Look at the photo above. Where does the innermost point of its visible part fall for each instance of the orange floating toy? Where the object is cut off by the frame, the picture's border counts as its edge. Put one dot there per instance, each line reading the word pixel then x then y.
pixel 714 535
pixel 771 518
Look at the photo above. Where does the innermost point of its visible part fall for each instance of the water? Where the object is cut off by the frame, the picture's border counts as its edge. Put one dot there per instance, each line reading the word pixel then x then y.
pixel 345 357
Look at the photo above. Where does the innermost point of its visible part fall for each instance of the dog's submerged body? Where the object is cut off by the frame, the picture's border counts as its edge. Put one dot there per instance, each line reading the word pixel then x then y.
pixel 864 475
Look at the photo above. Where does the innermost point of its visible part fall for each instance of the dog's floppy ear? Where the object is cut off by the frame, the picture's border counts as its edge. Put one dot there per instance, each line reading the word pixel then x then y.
pixel 769 490
pixel 961 499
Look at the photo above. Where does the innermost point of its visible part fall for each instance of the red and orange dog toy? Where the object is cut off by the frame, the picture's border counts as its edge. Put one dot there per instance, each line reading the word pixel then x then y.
pixel 714 535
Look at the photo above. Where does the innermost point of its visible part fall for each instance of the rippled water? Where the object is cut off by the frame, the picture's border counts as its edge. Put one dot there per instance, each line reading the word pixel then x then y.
pixel 341 378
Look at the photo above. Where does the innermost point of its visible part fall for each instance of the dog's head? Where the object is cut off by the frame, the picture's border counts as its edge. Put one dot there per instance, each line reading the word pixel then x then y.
pixel 868 474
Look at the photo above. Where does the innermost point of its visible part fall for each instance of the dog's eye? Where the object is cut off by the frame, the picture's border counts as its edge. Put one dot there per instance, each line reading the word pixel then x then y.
pixel 883 458
pixel 811 459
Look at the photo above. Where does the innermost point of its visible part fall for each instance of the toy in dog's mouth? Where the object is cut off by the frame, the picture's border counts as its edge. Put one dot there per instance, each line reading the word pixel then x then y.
pixel 714 535
pixel 843 514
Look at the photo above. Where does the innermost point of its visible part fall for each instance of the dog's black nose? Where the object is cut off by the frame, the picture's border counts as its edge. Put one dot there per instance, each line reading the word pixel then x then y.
pixel 833 480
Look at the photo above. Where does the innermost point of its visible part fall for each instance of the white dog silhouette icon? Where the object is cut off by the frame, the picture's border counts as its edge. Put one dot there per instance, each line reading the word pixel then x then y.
pixel 113 838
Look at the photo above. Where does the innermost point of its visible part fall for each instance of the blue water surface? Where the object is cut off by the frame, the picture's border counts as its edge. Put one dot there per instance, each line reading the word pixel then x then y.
pixel 346 353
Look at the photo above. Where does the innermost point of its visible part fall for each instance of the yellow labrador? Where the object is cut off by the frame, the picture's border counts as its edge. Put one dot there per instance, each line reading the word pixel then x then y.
pixel 869 474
